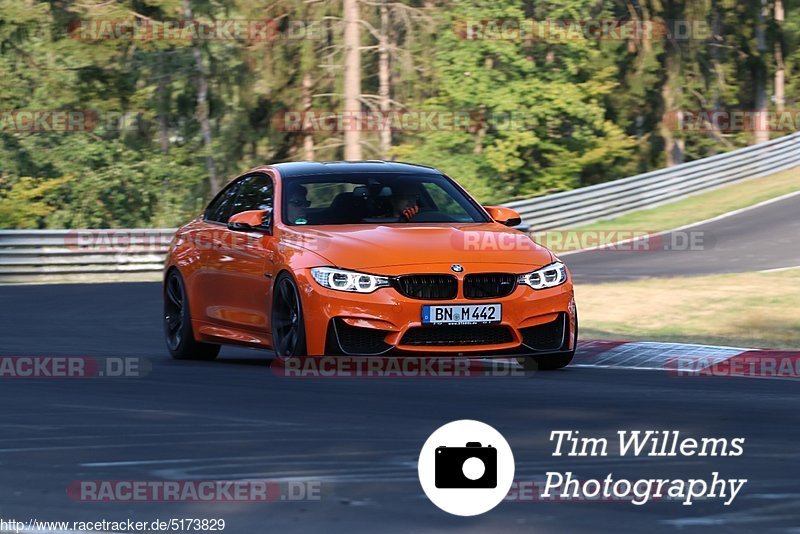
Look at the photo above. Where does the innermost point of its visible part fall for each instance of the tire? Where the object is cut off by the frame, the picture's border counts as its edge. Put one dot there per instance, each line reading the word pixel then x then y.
pixel 178 323
pixel 550 361
pixel 287 321
pixel 546 362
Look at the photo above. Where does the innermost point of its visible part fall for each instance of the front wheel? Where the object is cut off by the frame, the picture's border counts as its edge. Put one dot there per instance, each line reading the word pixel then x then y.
pixel 546 362
pixel 288 325
pixel 178 323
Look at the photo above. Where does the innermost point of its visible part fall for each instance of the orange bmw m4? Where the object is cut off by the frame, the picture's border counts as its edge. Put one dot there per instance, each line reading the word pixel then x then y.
pixel 364 259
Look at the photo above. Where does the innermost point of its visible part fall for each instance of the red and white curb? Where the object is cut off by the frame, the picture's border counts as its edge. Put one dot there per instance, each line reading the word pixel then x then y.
pixel 689 360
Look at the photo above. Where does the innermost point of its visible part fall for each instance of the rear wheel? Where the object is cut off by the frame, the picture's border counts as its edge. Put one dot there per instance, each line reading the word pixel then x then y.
pixel 178 323
pixel 550 361
pixel 288 325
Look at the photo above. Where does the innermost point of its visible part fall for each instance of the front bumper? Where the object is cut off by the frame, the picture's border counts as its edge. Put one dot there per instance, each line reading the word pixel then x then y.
pixel 387 322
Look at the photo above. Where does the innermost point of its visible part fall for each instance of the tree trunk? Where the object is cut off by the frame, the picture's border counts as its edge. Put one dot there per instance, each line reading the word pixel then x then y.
pixel 384 79
pixel 163 110
pixel 670 92
pixel 202 103
pixel 780 72
pixel 717 69
pixel 352 79
pixel 308 137
pixel 760 78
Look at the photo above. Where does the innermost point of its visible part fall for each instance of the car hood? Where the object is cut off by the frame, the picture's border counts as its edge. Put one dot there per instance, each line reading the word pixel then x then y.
pixel 364 246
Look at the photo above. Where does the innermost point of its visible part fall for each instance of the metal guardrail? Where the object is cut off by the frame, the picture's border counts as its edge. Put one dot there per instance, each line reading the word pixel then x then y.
pixel 612 199
pixel 30 255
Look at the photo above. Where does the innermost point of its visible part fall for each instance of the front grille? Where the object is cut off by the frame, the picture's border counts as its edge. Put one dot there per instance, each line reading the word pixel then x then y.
pixel 356 340
pixel 489 285
pixel 443 335
pixel 548 336
pixel 427 286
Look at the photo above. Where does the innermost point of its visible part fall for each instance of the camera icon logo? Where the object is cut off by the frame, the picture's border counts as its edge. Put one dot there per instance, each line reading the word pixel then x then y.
pixel 472 466
pixel 466 467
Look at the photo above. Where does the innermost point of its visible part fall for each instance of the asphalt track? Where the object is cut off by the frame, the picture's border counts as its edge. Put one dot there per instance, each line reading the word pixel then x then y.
pixel 761 238
pixel 358 438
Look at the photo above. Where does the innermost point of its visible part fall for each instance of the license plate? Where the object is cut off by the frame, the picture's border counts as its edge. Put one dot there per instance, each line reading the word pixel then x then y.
pixel 461 314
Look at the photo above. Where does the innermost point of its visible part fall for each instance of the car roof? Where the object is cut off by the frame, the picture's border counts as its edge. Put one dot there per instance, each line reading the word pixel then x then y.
pixel 305 168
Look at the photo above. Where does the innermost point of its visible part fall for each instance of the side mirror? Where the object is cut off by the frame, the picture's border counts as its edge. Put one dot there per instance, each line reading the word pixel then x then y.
pixel 251 221
pixel 505 216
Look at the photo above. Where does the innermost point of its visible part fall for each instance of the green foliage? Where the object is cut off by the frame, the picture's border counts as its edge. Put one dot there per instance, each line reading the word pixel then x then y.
pixel 23 201
pixel 547 127
pixel 545 115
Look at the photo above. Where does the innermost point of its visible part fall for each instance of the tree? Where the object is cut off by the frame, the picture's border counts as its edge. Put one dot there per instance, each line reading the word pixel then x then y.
pixel 545 125
pixel 202 101
pixel 176 117
pixel 352 77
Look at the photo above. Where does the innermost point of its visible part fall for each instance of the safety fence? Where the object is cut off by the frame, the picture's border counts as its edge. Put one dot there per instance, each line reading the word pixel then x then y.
pixel 30 255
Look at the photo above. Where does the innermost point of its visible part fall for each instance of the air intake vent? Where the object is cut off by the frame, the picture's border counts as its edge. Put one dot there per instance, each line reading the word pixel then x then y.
pixel 427 286
pixel 489 285
pixel 457 335
pixel 548 336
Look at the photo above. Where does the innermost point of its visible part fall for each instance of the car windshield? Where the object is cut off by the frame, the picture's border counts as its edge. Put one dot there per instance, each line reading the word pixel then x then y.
pixel 376 199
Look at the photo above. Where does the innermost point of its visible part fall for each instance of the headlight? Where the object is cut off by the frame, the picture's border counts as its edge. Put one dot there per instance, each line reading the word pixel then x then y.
pixel 342 280
pixel 551 275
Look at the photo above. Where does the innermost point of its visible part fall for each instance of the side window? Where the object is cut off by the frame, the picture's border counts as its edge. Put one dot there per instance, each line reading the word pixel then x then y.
pixel 255 193
pixel 220 208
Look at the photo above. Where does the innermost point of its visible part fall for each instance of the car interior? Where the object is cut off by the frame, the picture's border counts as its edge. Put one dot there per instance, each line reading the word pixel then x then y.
pixel 372 203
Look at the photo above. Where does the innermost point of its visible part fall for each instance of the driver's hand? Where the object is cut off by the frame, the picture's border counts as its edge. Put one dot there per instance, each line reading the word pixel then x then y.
pixel 410 212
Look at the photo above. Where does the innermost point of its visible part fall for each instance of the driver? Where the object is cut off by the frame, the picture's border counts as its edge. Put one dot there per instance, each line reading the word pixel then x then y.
pixel 297 204
pixel 404 201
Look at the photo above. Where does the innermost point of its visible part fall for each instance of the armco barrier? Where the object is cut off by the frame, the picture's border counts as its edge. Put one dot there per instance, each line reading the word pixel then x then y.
pixel 29 255
pixel 611 199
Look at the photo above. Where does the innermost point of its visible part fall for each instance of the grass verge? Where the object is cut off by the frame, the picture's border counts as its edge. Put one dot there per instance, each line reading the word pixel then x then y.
pixel 675 214
pixel 754 310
